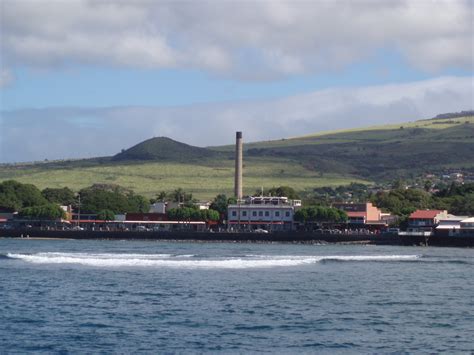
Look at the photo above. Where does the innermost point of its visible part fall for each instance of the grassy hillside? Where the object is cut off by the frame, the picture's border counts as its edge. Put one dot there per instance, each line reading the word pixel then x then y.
pixel 205 180
pixel 380 153
pixel 164 149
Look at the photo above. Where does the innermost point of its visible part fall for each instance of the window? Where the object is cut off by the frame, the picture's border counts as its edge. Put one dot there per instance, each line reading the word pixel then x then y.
pixel 267 213
pixel 287 213
pixel 234 213
pixel 277 213
pixel 254 213
pixel 260 213
pixel 244 213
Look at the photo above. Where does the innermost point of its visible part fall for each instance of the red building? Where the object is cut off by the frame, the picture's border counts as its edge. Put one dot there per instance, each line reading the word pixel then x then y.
pixel 152 217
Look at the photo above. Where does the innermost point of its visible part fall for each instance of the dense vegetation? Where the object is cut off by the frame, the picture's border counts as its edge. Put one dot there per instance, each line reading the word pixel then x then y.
pixel 28 200
pixel 220 204
pixel 15 196
pixel 192 214
pixel 63 196
pixel 112 198
pixel 320 214
pixel 325 196
pixel 456 199
pixel 455 114
pixel 48 212
pixel 281 191
pixel 105 200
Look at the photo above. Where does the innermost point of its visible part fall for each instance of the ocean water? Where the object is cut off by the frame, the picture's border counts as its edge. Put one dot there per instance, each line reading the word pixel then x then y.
pixel 64 296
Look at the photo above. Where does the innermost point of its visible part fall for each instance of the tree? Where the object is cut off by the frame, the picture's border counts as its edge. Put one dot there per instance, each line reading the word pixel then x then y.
pixel 301 215
pixel 320 214
pixel 402 202
pixel 281 191
pixel 15 196
pixel 106 215
pixel 210 215
pixel 220 204
pixel 192 214
pixel 138 203
pixel 62 196
pixel 179 195
pixel 427 186
pixel 48 211
pixel 96 198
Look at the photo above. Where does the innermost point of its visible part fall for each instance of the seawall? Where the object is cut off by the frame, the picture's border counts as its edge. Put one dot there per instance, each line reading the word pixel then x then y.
pixel 286 237
pixel 243 237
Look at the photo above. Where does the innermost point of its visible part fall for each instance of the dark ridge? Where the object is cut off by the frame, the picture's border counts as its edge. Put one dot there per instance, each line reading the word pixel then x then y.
pixel 454 115
pixel 165 149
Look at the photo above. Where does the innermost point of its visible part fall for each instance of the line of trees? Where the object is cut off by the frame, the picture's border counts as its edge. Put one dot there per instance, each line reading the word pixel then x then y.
pixel 192 214
pixel 105 200
pixel 457 199
pixel 102 199
pixel 320 214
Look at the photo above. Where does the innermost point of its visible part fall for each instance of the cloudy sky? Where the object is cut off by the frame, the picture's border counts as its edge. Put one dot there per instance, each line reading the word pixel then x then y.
pixel 88 78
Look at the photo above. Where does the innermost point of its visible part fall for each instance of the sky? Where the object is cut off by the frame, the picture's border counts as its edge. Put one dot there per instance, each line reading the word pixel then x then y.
pixel 85 78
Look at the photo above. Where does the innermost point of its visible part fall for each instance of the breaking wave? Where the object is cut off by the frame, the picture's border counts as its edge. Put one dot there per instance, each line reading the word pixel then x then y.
pixel 196 262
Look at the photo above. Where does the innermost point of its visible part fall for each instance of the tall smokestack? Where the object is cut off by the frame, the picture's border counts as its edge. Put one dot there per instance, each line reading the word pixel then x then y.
pixel 238 165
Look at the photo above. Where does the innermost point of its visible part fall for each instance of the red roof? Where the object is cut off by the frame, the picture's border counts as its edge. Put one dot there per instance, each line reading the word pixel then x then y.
pixel 356 214
pixel 425 214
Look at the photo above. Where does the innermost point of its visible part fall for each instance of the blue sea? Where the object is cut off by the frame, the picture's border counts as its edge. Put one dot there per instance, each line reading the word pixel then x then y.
pixel 66 296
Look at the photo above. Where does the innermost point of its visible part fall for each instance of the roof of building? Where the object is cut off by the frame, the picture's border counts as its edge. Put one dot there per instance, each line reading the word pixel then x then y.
pixel 452 218
pixel 356 214
pixel 468 220
pixel 425 214
pixel 449 226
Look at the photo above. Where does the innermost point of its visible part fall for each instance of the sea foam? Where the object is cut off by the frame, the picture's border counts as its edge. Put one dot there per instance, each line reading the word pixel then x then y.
pixel 193 261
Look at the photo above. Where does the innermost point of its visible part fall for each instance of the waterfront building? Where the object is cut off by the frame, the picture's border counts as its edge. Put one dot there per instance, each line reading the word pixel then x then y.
pixel 467 227
pixel 425 220
pixel 267 213
pixel 363 214
pixel 449 226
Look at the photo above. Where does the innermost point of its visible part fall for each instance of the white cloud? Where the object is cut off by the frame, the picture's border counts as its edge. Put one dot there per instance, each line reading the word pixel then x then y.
pixel 250 40
pixel 71 132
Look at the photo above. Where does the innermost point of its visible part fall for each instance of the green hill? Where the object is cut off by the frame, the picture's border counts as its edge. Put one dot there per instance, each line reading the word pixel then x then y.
pixel 164 149
pixel 373 154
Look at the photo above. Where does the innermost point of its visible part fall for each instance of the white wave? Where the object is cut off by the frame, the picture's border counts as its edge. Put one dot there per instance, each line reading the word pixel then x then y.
pixel 372 257
pixel 183 261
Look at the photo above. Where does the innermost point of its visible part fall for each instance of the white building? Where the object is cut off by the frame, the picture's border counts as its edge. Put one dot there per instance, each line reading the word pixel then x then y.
pixel 270 213
pixel 158 207
pixel 467 226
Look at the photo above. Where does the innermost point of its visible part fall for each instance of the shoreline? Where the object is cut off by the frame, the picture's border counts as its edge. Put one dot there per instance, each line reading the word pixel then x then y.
pixel 289 237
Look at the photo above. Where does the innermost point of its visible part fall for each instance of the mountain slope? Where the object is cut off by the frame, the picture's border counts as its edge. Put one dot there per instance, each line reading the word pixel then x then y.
pixel 163 149
pixel 380 153
pixel 373 154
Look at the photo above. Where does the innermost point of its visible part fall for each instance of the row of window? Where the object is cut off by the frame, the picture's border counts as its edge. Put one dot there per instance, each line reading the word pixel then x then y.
pixel 260 213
